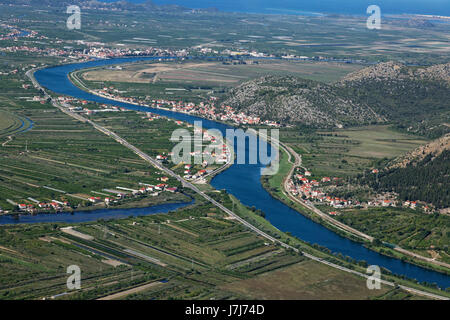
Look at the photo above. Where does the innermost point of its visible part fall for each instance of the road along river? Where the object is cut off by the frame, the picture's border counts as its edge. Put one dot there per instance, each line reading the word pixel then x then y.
pixel 243 181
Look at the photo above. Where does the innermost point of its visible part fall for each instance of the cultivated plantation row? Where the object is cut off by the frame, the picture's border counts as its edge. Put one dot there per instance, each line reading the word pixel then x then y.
pixel 65 160
pixel 194 253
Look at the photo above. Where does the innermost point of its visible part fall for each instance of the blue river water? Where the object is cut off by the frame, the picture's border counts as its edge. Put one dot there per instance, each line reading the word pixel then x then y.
pixel 86 216
pixel 242 181
pixel 22 126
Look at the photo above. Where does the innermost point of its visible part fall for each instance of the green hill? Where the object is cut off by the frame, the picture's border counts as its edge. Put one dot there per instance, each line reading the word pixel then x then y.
pixel 414 99
pixel 423 174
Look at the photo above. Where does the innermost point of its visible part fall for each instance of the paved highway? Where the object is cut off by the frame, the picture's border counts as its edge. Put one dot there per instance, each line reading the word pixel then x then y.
pixel 191 186
pixel 336 223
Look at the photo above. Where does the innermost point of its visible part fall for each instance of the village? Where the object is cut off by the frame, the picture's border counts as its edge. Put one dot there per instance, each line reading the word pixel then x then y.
pixel 76 50
pixel 82 50
pixel 81 55
pixel 207 110
pixel 217 152
pixel 207 162
pixel 302 186
pixel 107 197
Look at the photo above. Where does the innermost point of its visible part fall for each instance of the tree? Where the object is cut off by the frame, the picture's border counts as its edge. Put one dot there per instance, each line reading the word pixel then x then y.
pixel 377 242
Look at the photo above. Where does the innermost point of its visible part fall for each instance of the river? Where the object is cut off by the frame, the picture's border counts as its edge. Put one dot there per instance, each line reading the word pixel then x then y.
pixel 93 215
pixel 243 181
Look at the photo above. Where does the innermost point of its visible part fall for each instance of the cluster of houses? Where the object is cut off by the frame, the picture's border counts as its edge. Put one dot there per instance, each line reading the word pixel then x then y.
pixel 206 110
pixel 54 205
pixel 301 186
pixel 81 106
pixel 122 193
pixel 15 71
pixel 188 175
pixel 53 52
pixel 207 50
pixel 105 53
pixel 113 196
pixel 410 204
pixel 91 50
pixel 255 54
pixel 89 53
pixel 15 33
pixel 220 154
pixel 153 116
pixel 394 202
pixel 10 72
pixel 210 111
pixel 391 200
pixel 245 52
pixel 382 203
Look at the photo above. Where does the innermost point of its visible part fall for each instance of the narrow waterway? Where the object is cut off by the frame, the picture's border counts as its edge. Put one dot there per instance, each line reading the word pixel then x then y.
pixel 93 215
pixel 243 181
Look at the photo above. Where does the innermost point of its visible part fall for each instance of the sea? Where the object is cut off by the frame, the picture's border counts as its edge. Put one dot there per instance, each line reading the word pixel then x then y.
pixel 316 7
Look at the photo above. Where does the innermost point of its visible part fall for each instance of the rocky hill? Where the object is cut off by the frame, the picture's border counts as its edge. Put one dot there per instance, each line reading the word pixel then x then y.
pixel 433 149
pixel 396 71
pixel 423 174
pixel 439 72
pixel 414 99
pixel 293 100
pixel 379 72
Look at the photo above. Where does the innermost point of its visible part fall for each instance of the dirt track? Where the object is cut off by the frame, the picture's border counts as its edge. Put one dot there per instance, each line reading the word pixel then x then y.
pixel 125 293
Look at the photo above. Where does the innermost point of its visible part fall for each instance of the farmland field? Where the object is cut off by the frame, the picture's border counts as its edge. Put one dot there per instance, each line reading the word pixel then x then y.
pixel 427 235
pixel 194 253
pixel 66 160
pixel 306 280
pixel 196 81
pixel 341 36
pixel 348 151
pixel 218 73
pixel 121 254
pixel 11 124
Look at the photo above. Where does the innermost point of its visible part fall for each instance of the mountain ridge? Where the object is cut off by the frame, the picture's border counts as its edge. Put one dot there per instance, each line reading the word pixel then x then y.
pixel 314 103
pixel 434 149
pixel 415 99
